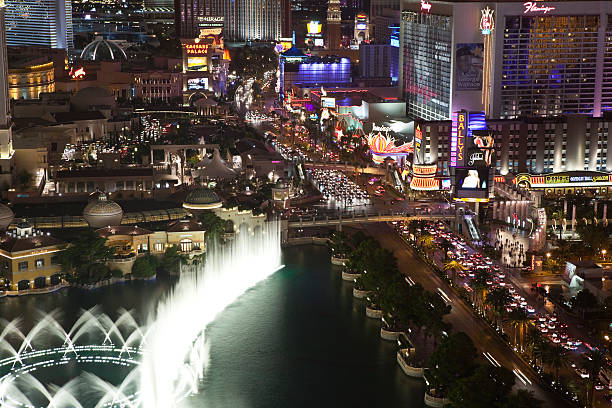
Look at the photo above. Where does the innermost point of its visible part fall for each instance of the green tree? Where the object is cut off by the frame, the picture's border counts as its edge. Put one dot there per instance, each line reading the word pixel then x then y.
pixel 558 216
pixel 593 362
pixel 480 287
pixel 499 299
pixel 172 258
pixel 519 319
pixel 86 256
pixel 452 360
pixel 583 301
pixel 557 359
pixel 593 236
pixel 522 399
pixel 487 387
pixel 454 267
pixel 213 224
pixel 145 266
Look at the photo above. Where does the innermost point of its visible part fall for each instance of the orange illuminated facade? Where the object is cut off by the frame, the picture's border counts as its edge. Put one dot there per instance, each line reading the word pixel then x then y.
pixel 29 81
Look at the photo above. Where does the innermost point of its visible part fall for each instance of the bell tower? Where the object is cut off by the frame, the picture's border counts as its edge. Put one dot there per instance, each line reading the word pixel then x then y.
pixel 334 21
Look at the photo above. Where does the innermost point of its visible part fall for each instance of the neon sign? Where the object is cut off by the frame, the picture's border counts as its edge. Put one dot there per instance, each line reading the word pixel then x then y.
pixel 196 49
pixel 458 135
pixel 425 6
pixel 487 24
pixel 78 73
pixel 532 7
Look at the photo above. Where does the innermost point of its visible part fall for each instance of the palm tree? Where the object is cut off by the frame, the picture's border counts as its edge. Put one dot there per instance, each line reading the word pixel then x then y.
pixel 454 267
pixel 594 361
pixel 499 299
pixel 557 359
pixel 445 246
pixel 533 340
pixel 425 241
pixel 518 318
pixel 480 286
pixel 558 215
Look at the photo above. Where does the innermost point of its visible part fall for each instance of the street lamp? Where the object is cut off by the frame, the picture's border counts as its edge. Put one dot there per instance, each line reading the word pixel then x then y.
pixel 603 253
pixel 548 254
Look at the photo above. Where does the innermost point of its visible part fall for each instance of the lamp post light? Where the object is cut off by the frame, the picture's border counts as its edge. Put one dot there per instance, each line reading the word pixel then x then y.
pixel 603 253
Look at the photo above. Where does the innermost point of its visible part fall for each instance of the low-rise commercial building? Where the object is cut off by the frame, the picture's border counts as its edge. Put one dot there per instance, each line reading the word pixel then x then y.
pixel 28 258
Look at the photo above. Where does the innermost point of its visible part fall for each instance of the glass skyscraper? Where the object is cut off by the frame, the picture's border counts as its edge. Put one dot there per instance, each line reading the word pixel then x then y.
pixel 46 23
pixel 549 65
pixel 426 73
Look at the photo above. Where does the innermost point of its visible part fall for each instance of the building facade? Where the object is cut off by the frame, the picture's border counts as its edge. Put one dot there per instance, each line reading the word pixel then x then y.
pixel 6 135
pixel 533 145
pixel 28 258
pixel 300 70
pixel 265 20
pixel 39 22
pixel 30 80
pixel 334 24
pixel 379 61
pixel 509 59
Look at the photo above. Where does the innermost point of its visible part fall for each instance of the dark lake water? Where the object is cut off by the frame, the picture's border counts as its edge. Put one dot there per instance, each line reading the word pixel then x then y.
pixel 296 339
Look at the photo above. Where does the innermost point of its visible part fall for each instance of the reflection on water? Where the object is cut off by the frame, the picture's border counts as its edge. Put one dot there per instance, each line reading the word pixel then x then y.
pixel 297 339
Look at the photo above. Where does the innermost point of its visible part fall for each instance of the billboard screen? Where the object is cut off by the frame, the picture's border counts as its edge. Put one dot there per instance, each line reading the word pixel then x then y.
pixel 327 102
pixel 472 182
pixel 318 42
pixel 197 84
pixel 480 149
pixel 468 67
pixel 472 179
pixel 314 27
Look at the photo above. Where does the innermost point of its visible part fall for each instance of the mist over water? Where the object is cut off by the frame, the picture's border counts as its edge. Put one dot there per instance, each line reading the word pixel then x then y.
pixel 177 351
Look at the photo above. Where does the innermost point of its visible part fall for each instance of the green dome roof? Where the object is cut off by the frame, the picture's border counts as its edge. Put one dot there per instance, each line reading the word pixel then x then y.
pixel 202 198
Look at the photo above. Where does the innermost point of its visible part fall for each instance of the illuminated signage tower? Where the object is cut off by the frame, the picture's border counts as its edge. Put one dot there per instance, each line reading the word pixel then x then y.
pixel 362 28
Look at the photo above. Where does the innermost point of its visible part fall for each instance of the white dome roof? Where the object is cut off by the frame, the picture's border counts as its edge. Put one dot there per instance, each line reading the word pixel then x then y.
pixel 6 216
pixel 102 212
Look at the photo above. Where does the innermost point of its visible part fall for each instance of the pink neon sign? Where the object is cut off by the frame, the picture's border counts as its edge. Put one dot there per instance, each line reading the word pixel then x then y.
pixel 532 7
pixel 425 6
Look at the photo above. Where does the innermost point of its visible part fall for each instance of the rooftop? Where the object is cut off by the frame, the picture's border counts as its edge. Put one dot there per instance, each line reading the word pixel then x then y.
pixel 100 172
pixel 132 230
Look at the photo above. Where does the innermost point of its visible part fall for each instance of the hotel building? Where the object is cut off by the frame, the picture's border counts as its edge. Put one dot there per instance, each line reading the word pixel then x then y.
pixel 265 20
pixel 536 146
pixel 510 59
pixel 39 22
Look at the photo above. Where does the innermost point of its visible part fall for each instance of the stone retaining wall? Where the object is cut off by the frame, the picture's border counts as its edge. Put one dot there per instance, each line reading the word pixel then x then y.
pixel 416 372
pixel 373 313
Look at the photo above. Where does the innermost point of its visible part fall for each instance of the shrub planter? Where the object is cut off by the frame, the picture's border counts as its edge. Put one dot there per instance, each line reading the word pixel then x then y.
pixel 338 261
pixel 360 294
pixel 373 313
pixel 435 402
pixel 416 372
pixel 349 275
pixel 387 333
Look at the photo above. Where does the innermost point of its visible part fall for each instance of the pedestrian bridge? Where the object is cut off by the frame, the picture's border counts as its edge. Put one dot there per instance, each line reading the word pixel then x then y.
pixel 356 218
